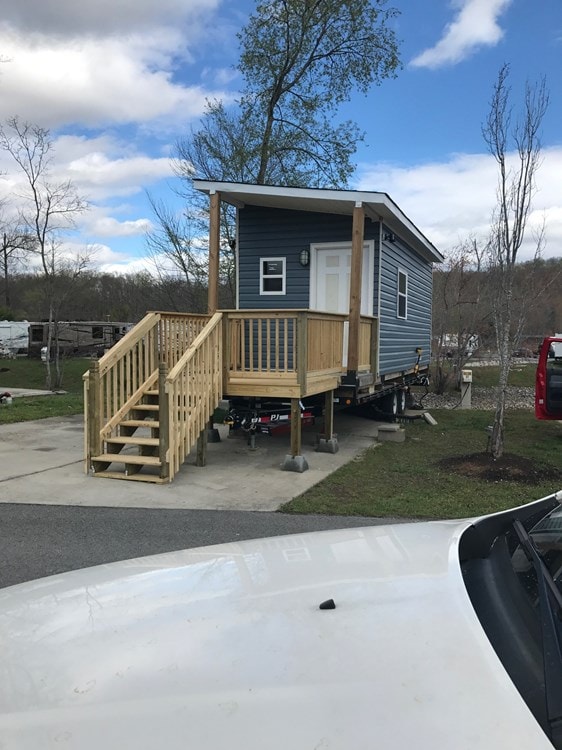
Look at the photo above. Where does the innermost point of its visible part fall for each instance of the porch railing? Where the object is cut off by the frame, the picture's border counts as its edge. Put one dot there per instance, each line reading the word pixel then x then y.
pixel 282 346
pixel 189 394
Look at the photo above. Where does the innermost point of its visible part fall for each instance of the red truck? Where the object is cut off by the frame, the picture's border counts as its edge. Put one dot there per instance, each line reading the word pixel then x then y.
pixel 548 381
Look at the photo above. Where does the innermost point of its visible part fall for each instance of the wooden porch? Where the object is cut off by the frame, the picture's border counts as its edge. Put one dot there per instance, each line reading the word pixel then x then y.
pixel 150 398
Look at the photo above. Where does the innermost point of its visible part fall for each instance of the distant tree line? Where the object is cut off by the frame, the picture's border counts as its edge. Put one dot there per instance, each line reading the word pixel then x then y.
pixel 104 296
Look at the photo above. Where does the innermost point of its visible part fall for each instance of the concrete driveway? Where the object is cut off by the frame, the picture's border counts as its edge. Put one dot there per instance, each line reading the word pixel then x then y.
pixel 42 462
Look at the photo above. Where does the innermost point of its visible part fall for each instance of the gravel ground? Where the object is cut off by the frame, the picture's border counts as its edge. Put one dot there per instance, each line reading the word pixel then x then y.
pixel 482 398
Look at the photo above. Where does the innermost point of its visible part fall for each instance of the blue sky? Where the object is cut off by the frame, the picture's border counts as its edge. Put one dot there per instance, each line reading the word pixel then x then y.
pixel 118 81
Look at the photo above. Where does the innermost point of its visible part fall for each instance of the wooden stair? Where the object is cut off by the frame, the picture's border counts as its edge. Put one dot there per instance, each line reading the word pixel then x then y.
pixel 133 449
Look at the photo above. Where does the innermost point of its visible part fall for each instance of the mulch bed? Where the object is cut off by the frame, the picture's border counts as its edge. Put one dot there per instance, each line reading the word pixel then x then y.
pixel 508 468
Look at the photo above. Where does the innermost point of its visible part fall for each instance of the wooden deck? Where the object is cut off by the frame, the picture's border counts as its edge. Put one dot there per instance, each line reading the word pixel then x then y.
pixel 150 397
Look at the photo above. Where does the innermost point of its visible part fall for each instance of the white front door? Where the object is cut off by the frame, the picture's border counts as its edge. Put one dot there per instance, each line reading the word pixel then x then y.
pixel 330 272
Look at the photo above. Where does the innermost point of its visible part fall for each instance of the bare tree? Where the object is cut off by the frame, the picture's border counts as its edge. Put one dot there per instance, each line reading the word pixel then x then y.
pixel 49 210
pixel 516 147
pixel 457 312
pixel 15 244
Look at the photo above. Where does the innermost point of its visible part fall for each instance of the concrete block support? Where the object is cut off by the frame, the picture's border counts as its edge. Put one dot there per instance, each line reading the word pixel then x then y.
pixel 391 433
pixel 328 445
pixel 294 463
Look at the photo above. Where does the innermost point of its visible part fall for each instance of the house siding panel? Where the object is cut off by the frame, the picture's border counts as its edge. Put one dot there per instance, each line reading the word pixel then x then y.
pixel 399 338
pixel 264 232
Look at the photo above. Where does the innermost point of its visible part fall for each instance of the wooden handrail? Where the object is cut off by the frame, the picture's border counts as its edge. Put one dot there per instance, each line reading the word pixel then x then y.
pixel 128 341
pixel 189 354
pixel 190 393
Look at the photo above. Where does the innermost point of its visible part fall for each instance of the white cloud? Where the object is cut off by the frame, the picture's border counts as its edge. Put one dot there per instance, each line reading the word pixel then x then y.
pixel 109 226
pixel 103 17
pixel 96 82
pixel 476 25
pixel 451 200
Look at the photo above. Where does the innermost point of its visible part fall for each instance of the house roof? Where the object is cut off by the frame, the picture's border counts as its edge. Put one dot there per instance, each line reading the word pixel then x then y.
pixel 378 206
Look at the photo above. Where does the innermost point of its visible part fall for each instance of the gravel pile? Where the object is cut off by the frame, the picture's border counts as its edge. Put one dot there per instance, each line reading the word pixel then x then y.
pixel 482 398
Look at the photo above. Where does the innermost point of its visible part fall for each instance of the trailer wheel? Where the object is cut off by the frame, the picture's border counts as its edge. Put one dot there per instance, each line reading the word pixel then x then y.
pixel 401 401
pixel 390 404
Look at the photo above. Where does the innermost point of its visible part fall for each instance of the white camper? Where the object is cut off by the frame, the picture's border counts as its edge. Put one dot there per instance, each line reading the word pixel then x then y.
pixel 14 337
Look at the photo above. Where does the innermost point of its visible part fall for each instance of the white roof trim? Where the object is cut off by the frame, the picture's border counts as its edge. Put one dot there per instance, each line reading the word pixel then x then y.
pixel 378 206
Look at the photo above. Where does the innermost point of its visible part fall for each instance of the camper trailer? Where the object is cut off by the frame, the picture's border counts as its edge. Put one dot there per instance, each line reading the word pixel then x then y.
pixel 13 337
pixel 76 338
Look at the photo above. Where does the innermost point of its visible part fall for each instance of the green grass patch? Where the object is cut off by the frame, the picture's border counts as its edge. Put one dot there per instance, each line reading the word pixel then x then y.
pixel 406 480
pixel 41 407
pixel 30 373
pixel 521 375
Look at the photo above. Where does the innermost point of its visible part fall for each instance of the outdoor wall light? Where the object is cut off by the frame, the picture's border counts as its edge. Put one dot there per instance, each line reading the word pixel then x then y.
pixel 389 237
pixel 304 257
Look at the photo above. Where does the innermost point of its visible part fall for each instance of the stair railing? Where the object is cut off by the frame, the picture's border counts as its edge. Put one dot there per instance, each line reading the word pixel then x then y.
pixel 114 381
pixel 189 394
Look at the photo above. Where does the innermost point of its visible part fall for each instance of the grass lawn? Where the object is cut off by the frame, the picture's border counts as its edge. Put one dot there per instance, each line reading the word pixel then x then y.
pixel 407 480
pixel 519 375
pixel 30 373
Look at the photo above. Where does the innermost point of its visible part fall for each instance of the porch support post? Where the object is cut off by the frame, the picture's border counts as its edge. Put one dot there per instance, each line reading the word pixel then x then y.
pixel 214 249
pixel 95 407
pixel 164 452
pixel 295 461
pixel 328 443
pixel 201 457
pixel 355 286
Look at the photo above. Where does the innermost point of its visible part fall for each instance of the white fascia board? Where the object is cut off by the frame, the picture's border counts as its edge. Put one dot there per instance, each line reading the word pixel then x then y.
pixel 377 205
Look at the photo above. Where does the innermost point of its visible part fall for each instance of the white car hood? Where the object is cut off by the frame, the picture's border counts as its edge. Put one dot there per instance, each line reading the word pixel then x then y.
pixel 226 647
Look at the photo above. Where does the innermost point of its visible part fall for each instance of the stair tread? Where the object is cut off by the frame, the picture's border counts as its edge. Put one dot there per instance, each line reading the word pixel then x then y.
pixel 127 458
pixel 145 407
pixel 131 477
pixel 140 423
pixel 130 440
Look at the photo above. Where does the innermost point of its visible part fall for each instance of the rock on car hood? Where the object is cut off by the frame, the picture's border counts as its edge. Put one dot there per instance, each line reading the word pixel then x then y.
pixel 226 647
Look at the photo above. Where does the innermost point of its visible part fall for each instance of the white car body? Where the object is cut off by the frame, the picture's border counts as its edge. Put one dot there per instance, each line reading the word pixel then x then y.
pixel 226 647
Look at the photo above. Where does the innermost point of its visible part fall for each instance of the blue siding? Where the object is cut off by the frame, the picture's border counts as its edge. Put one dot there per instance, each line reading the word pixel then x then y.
pixel 399 338
pixel 266 232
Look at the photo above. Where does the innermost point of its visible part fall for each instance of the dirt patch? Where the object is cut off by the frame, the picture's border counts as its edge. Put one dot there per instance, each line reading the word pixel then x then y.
pixel 508 468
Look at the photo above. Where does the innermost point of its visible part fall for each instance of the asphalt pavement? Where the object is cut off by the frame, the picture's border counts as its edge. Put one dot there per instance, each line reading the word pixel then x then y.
pixel 42 540
pixel 55 517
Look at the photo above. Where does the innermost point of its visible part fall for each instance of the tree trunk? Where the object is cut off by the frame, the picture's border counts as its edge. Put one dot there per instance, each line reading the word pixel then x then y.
pixel 504 342
pixel 48 379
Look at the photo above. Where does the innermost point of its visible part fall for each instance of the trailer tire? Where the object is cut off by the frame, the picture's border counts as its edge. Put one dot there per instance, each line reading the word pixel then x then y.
pixel 401 401
pixel 390 404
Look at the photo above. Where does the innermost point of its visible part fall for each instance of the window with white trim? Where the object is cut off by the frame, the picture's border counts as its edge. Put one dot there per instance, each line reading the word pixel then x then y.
pixel 402 295
pixel 272 276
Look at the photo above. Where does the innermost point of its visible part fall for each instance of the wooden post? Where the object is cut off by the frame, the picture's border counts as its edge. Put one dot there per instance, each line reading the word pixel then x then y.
pixel 355 287
pixel 328 443
pixel 201 458
pixel 302 351
pixel 95 405
pixel 164 422
pixel 296 436
pixel 214 248
pixel 329 415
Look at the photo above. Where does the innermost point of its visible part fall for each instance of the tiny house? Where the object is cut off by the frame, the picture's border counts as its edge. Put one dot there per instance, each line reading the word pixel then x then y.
pixel 333 306
pixel 350 253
